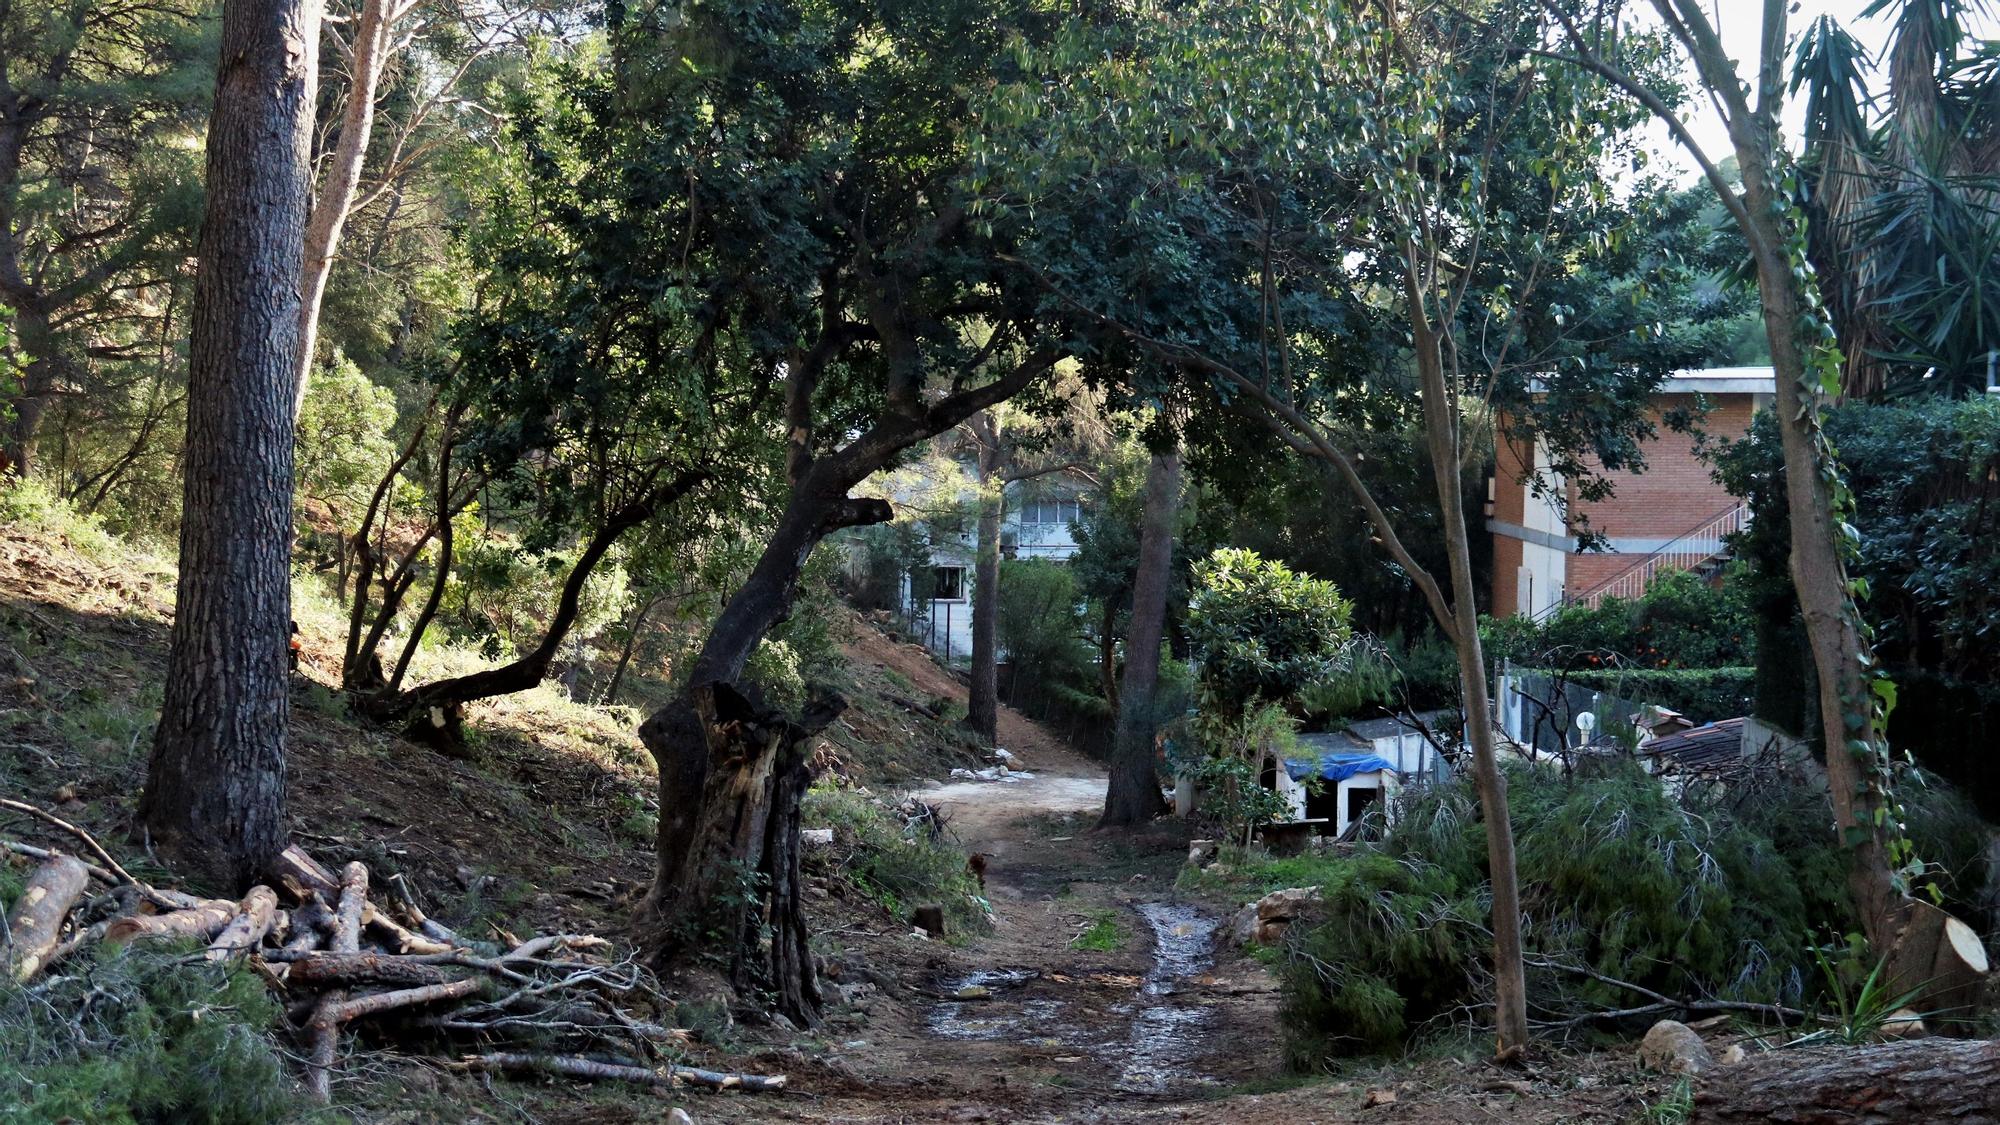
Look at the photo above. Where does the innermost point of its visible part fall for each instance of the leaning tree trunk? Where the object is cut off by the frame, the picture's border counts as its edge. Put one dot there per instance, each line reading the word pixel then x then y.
pixel 982 708
pixel 215 787
pixel 1886 1084
pixel 369 53
pixel 1133 795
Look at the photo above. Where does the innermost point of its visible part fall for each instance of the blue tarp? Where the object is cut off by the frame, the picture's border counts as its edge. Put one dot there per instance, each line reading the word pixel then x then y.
pixel 1336 767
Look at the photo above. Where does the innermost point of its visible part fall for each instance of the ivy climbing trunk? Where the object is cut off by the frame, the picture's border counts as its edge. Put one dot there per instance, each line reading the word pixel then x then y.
pixel 215 784
pixel 1133 795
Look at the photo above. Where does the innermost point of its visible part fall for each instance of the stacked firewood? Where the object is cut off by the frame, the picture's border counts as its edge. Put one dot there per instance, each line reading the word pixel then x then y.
pixel 342 961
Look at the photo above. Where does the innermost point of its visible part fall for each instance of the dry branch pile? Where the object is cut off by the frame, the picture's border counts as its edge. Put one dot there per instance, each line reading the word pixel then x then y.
pixel 556 1004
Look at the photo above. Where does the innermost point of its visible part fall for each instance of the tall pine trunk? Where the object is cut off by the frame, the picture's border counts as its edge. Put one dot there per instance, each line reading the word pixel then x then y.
pixel 215 786
pixel 1133 796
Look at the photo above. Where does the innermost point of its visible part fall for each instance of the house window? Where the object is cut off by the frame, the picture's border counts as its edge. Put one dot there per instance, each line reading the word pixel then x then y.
pixel 948 583
pixel 1058 513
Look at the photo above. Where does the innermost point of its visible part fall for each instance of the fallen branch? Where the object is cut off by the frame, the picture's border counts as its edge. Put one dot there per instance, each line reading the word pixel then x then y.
pixel 1660 1001
pixel 323 970
pixel 118 874
pixel 376 1003
pixel 590 1068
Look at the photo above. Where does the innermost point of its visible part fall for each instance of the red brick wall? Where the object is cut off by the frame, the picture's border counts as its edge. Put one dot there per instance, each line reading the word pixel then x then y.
pixel 1675 494
pixel 1672 497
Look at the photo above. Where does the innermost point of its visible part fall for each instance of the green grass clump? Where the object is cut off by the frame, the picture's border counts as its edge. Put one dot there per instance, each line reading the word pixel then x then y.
pixel 898 866
pixel 142 1034
pixel 1103 935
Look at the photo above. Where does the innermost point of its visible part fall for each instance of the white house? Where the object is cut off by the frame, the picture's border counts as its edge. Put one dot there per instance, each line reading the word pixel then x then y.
pixel 1039 523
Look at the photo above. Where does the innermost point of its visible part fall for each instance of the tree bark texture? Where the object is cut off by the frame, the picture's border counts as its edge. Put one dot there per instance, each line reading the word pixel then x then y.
pixel 1887 1084
pixel 728 822
pixel 215 787
pixel 982 707
pixel 1133 795
pixel 343 178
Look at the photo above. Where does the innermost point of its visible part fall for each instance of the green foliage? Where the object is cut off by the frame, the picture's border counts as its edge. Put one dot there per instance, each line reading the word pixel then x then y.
pixel 143 1034
pixel 1858 1001
pixel 1260 631
pixel 899 865
pixel 1680 621
pixel 1678 894
pixel 1366 682
pixel 1103 935
pixel 343 437
pixel 1704 695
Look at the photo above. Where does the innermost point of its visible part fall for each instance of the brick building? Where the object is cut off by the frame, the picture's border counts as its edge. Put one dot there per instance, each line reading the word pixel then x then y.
pixel 1673 515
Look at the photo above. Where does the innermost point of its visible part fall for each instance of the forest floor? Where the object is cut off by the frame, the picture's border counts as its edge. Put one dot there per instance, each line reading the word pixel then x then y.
pixel 1101 993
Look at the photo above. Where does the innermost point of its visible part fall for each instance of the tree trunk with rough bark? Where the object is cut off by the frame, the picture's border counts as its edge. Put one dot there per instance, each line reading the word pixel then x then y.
pixel 982 708
pixel 1887 1084
pixel 1133 795
pixel 731 828
pixel 215 787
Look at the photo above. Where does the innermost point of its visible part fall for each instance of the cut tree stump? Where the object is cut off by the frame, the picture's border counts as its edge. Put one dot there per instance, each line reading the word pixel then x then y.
pixel 1943 960
pixel 1944 1080
pixel 36 923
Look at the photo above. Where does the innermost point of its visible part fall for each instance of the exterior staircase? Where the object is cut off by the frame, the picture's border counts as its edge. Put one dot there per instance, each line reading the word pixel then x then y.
pixel 1703 545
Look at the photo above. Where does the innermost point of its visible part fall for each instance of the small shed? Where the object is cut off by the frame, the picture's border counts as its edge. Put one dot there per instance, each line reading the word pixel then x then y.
pixel 1350 783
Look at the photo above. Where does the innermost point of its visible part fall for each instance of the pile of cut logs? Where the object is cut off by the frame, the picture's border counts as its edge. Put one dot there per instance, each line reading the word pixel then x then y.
pixel 339 961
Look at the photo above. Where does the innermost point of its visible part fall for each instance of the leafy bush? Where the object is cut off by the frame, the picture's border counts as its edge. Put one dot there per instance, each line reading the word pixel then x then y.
pixel 142 1035
pixel 897 864
pixel 1681 621
pixel 1261 631
pixel 1681 895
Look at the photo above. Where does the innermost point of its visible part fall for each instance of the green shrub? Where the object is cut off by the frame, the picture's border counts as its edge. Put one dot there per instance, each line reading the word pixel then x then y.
pixel 1261 631
pixel 1704 695
pixel 1681 621
pixel 898 865
pixel 143 1035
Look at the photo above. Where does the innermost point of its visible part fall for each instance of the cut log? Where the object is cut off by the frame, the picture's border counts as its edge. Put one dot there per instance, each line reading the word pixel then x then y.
pixel 35 925
pixel 1942 960
pixel 376 1003
pixel 346 938
pixel 203 920
pixel 246 931
pixel 353 903
pixel 1886 1084
pixel 301 875
pixel 399 937
pixel 403 905
pixel 323 970
pixel 592 1069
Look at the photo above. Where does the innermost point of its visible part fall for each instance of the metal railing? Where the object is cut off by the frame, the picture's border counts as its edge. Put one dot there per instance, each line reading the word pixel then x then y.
pixel 1686 551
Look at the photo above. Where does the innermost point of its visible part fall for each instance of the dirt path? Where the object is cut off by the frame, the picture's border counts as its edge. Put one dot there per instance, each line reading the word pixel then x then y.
pixel 1096 996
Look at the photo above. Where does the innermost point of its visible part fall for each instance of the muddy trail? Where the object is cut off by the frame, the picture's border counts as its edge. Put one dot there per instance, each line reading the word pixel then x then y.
pixel 1099 994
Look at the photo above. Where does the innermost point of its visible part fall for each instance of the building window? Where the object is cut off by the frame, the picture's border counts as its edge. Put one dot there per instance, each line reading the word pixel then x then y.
pixel 1058 513
pixel 948 583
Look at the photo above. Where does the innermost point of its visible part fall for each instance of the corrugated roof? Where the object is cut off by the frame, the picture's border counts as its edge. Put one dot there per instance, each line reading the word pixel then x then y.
pixel 1713 748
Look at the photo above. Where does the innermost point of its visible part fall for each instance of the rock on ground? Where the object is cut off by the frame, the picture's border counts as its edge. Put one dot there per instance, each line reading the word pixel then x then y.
pixel 1672 1047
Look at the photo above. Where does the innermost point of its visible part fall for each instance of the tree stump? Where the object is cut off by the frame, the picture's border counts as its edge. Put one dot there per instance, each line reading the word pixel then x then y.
pixel 733 773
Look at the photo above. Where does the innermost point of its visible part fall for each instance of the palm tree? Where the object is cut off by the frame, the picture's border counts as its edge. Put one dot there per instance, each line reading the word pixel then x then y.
pixel 1903 189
